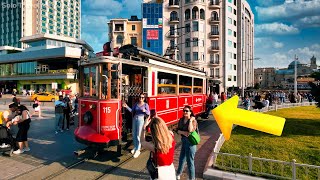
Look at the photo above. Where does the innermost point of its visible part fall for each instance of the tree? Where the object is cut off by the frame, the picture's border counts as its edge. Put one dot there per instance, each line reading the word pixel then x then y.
pixel 316 76
pixel 257 86
pixel 315 91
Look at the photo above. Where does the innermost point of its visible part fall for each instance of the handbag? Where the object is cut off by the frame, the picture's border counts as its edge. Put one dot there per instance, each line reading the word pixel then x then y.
pixel 194 137
pixel 152 167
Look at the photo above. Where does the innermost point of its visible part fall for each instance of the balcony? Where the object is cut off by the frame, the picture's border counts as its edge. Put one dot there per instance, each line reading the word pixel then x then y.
pixel 173 6
pixel 173 34
pixel 215 76
pixel 214 20
pixel 214 35
pixel 214 49
pixel 214 4
pixel 174 20
pixel 213 63
pixel 119 28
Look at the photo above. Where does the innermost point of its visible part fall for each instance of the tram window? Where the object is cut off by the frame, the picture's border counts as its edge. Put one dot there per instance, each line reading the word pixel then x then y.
pixel 167 83
pixel 113 77
pixel 197 85
pixel 185 84
pixel 90 80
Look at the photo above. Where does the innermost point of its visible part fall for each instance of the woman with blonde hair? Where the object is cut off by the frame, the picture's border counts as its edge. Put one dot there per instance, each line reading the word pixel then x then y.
pixel 162 147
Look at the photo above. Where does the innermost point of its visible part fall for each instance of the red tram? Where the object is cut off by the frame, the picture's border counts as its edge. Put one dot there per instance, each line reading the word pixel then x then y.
pixel 107 81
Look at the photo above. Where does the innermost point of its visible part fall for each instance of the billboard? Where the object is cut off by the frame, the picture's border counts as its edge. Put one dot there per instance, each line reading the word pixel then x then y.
pixel 152 34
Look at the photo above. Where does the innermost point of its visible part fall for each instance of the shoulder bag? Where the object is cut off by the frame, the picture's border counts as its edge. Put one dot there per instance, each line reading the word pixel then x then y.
pixel 152 167
pixel 194 137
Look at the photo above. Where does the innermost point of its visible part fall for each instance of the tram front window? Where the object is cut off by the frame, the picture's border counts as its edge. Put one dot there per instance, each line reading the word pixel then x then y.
pixel 90 79
pixel 110 81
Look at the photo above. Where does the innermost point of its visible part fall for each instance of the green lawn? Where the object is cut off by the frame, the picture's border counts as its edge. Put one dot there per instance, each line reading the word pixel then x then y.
pixel 300 140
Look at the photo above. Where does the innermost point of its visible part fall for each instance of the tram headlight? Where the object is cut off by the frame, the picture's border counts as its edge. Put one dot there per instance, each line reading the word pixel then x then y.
pixel 88 118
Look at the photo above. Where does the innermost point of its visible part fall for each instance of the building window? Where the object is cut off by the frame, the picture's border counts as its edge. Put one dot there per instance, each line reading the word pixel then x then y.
pixel 195 26
pixel 217 72
pixel 187 14
pixel 195 42
pixel 187 28
pixel 195 56
pixel 214 16
pixel 234 67
pixel 230 67
pixel 134 41
pixel 230 9
pixel 230 1
pixel 187 1
pixel 230 55
pixel 235 34
pixel 174 16
pixel 172 44
pixel 202 14
pixel 215 30
pixel 188 42
pixel 171 30
pixel 217 58
pixel 235 45
pixel 215 44
pixel 235 22
pixel 230 44
pixel 148 44
pixel 119 39
pixel 195 12
pixel 187 57
pixel 133 27
pixel 229 78
pixel 234 56
pixel 229 20
pixel 234 78
pixel 230 32
pixel 235 12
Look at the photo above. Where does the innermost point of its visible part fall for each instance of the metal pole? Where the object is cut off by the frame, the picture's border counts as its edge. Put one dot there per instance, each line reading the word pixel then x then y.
pixel 242 75
pixel 295 76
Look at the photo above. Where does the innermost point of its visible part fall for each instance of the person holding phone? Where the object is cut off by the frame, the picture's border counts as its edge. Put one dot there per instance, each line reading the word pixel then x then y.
pixel 139 111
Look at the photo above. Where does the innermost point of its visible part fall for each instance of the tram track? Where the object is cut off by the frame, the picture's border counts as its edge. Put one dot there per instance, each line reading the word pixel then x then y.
pixel 101 166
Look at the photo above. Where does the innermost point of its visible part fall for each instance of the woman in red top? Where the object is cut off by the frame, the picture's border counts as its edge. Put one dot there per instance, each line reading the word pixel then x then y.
pixel 162 147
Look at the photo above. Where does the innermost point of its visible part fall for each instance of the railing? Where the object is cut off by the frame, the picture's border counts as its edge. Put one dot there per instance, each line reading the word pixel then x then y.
pixel 214 19
pixel 267 167
pixel 249 163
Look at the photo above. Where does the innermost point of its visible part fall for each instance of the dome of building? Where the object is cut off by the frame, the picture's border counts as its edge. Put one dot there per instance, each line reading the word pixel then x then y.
pixel 291 65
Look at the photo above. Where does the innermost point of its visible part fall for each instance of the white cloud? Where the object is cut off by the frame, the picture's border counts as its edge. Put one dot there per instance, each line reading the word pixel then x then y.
pixel 283 59
pixel 289 11
pixel 94 40
pixel 94 23
pixel 265 43
pixel 275 29
pixel 311 21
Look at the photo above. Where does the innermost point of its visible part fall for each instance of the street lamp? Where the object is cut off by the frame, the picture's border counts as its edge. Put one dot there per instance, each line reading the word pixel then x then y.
pixel 295 75
pixel 243 75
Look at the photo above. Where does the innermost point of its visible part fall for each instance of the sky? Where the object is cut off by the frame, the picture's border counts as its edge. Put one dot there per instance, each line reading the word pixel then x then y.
pixel 283 28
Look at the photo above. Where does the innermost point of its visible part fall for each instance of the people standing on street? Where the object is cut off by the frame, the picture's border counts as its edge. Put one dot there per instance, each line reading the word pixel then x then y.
pixel 139 111
pixel 59 106
pixel 66 112
pixel 209 106
pixel 223 97
pixel 162 147
pixel 186 125
pixel 23 120
pixel 215 100
pixel 75 109
pixel 246 103
pixel 5 117
pixel 15 99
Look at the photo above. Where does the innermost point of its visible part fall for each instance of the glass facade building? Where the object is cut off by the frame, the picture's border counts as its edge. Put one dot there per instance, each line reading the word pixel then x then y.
pixel 152 23
pixel 10 23
pixel 20 18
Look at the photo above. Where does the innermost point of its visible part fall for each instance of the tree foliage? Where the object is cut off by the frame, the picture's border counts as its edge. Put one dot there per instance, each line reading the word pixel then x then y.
pixel 315 91
pixel 257 86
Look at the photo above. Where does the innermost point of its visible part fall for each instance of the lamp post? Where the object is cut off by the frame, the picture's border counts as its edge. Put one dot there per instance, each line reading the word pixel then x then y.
pixel 243 74
pixel 295 76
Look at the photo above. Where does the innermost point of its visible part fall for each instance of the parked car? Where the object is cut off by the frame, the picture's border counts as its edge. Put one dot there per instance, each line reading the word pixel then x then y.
pixel 44 96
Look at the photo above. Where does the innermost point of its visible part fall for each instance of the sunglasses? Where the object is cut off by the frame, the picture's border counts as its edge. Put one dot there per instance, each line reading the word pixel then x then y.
pixel 141 97
pixel 186 111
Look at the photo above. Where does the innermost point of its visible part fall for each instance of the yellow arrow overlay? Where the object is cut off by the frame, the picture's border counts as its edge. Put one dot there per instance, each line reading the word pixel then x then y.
pixel 228 114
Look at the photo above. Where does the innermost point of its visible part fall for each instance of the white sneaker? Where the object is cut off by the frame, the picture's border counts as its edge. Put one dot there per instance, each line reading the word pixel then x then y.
pixel 26 149
pixel 4 145
pixel 178 177
pixel 18 151
pixel 133 151
pixel 136 154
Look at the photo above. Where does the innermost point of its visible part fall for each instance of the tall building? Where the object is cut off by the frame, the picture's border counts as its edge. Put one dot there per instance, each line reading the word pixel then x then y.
pixel 152 28
pixel 20 18
pixel 125 31
pixel 214 35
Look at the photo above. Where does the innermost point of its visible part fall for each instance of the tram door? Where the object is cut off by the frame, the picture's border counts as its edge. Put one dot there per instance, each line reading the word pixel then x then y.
pixel 134 82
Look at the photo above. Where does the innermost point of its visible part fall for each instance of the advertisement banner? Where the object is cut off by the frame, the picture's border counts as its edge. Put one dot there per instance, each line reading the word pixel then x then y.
pixel 152 34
